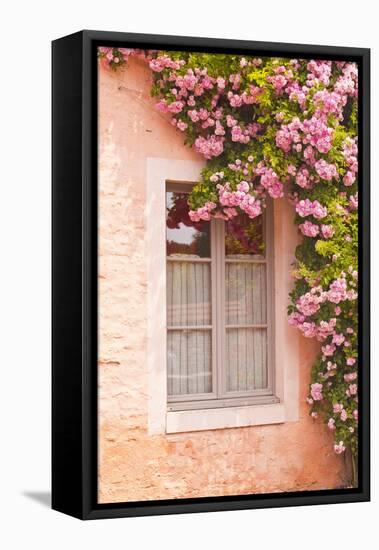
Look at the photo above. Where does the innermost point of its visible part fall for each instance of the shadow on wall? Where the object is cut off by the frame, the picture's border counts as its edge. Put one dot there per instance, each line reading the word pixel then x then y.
pixel 41 497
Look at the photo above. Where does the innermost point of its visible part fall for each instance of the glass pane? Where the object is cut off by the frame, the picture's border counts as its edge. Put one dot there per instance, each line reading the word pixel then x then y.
pixel 188 291
pixel 185 237
pixel 244 237
pixel 246 359
pixel 245 293
pixel 189 362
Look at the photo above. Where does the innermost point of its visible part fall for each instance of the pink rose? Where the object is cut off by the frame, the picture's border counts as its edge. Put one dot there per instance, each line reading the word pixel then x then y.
pixel 338 339
pixel 316 391
pixel 340 448
pixel 331 424
pixel 327 231
pixel 182 125
pixel 309 229
pixel 328 350
pixel 349 179
pixel 353 388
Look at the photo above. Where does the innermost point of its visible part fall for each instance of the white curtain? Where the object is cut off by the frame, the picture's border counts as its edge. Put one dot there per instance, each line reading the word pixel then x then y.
pixel 246 347
pixel 189 305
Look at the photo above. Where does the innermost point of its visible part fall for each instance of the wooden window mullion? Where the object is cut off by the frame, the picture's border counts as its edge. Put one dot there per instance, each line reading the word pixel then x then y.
pixel 214 307
pixel 220 300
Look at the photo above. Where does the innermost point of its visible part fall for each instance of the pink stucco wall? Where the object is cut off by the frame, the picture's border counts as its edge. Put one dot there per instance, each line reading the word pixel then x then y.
pixel 132 464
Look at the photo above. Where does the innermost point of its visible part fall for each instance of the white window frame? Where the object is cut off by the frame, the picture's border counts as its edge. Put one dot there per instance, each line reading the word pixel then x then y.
pixel 219 396
pixel 286 371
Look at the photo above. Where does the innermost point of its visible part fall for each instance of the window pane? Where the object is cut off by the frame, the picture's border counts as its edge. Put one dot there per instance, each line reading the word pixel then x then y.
pixel 245 293
pixel 188 292
pixel 244 237
pixel 246 359
pixel 185 237
pixel 189 362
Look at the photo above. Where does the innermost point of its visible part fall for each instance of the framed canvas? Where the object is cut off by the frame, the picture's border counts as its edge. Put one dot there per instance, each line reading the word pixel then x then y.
pixel 210 329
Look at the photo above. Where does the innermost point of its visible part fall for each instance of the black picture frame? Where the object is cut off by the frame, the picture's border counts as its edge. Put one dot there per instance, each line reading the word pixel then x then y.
pixel 74 273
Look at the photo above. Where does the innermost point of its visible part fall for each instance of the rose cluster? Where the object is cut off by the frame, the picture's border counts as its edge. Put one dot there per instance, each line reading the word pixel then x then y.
pixel 272 128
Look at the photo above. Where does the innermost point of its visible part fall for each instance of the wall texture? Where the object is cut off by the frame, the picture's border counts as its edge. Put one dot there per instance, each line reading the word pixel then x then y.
pixel 133 465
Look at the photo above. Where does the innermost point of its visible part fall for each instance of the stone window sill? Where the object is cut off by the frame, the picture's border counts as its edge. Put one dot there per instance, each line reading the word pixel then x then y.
pixel 232 417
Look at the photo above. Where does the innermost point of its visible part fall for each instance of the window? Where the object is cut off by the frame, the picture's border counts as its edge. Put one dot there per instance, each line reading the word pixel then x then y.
pixel 219 308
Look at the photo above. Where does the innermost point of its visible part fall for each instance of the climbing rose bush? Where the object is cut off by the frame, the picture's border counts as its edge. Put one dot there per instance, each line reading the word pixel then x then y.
pixel 272 128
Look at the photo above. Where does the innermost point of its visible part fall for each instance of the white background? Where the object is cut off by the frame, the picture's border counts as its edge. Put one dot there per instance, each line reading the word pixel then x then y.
pixel 27 29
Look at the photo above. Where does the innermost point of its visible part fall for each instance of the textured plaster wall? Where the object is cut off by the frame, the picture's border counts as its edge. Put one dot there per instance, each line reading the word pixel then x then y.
pixel 133 465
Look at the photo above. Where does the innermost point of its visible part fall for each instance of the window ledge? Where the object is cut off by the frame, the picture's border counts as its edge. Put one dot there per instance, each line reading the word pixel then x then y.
pixel 232 417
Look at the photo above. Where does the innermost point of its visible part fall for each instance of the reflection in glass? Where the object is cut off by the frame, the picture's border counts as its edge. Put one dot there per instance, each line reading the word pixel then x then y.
pixel 244 237
pixel 185 237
